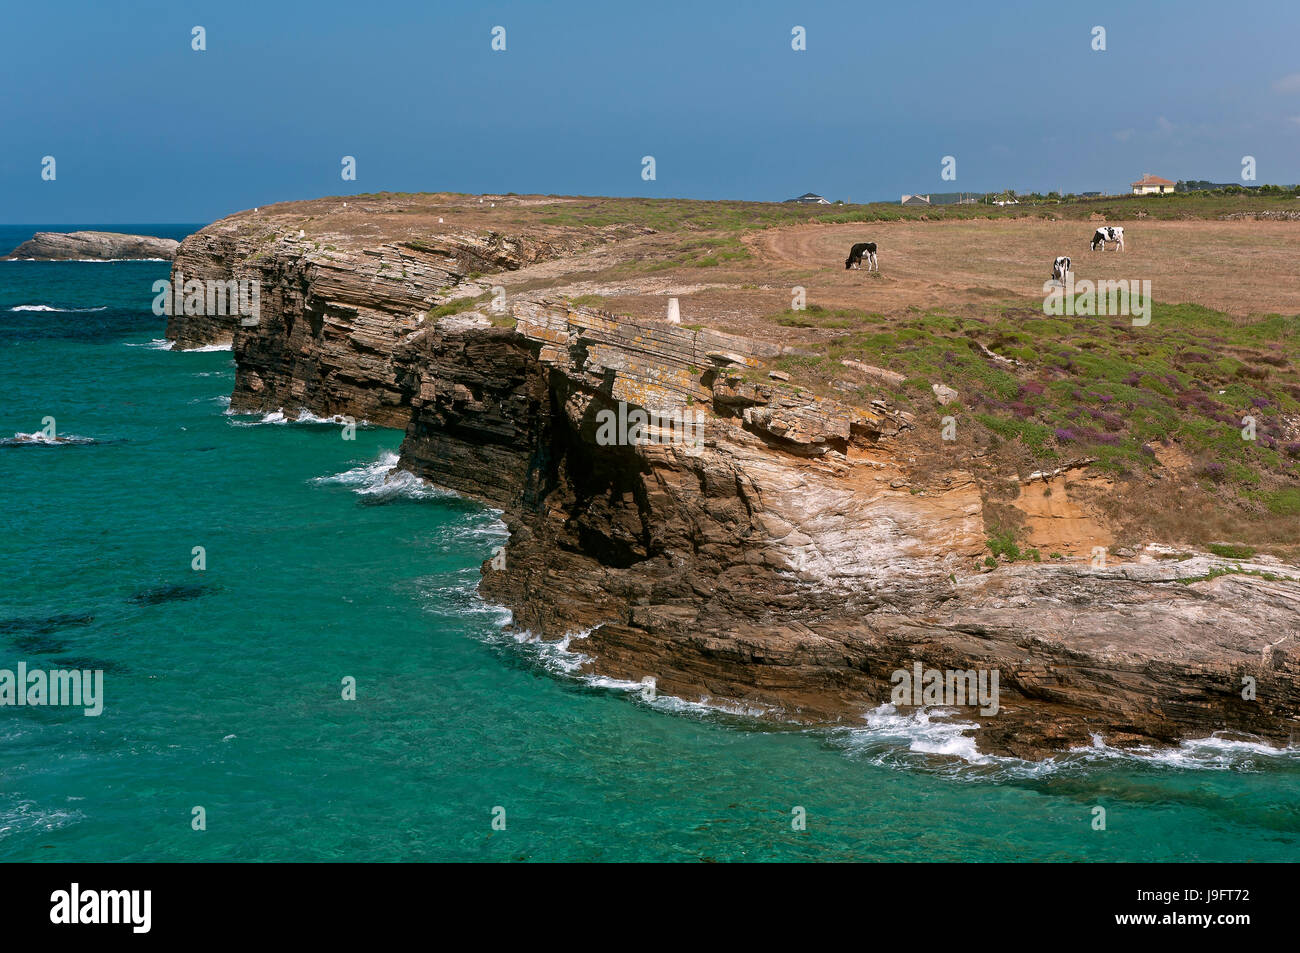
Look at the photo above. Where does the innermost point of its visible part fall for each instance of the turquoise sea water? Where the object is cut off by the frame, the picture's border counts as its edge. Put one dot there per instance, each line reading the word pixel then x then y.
pixel 223 686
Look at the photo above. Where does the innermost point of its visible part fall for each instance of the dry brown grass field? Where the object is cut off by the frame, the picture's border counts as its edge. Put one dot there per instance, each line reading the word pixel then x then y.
pixel 1241 268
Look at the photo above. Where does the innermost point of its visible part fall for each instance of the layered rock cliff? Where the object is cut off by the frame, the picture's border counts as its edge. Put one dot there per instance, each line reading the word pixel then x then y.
pixel 98 246
pixel 786 561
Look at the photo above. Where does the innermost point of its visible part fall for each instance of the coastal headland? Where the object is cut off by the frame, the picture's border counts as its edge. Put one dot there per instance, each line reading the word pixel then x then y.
pixel 920 466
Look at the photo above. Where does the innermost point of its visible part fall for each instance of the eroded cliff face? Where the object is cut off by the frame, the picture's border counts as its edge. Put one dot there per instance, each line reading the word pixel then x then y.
pixel 786 562
pixel 331 315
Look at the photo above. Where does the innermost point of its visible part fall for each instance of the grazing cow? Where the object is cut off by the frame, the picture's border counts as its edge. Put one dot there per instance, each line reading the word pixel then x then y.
pixel 1108 233
pixel 1061 268
pixel 856 253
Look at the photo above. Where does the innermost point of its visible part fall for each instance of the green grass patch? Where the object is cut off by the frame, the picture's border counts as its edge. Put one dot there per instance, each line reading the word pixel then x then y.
pixel 1229 551
pixel 456 306
pixel 1285 502
pixel 1003 544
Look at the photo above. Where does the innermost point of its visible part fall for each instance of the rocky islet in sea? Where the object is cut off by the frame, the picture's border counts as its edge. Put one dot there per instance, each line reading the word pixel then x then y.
pixel 93 246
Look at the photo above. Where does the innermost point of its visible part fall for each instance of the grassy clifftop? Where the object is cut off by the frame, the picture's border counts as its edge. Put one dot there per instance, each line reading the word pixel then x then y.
pixel 1167 415
pixel 1157 411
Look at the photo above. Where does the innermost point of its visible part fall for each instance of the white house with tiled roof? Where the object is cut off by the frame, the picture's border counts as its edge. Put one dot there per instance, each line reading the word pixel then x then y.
pixel 1152 185
pixel 810 198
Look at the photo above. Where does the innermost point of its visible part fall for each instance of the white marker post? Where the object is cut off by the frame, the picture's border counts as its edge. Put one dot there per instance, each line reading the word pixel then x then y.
pixel 674 312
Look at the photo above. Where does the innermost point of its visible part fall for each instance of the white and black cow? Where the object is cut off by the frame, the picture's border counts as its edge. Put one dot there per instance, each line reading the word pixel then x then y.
pixel 855 256
pixel 1061 268
pixel 1108 233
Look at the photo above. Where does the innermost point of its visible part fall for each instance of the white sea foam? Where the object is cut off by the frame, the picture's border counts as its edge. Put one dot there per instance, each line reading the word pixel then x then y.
pixel 157 344
pixel 926 739
pixel 364 476
pixel 39 439
pixel 23 816
pixel 462 598
pixel 222 399
pixel 276 417
pixel 492 533
pixel 280 418
pixel 560 658
pixel 926 731
pixel 381 481
pixel 46 307
pixel 1215 752
pixel 162 344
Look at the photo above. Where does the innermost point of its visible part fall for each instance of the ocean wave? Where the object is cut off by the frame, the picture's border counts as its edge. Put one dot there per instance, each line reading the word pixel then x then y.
pixel 279 418
pixel 23 816
pixel 462 599
pixel 927 739
pixel 39 439
pixel 162 344
pixel 381 481
pixel 222 399
pixel 368 474
pixel 46 307
pixel 157 344
pixel 490 533
pixel 559 658
pixel 890 735
pixel 1215 752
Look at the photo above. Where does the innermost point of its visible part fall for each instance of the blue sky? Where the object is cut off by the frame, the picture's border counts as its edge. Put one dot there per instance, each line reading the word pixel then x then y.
pixel 143 128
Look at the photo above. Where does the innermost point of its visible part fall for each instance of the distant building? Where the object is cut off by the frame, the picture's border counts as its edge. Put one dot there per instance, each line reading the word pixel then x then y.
pixel 1152 185
pixel 1090 195
pixel 810 198
pixel 916 200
